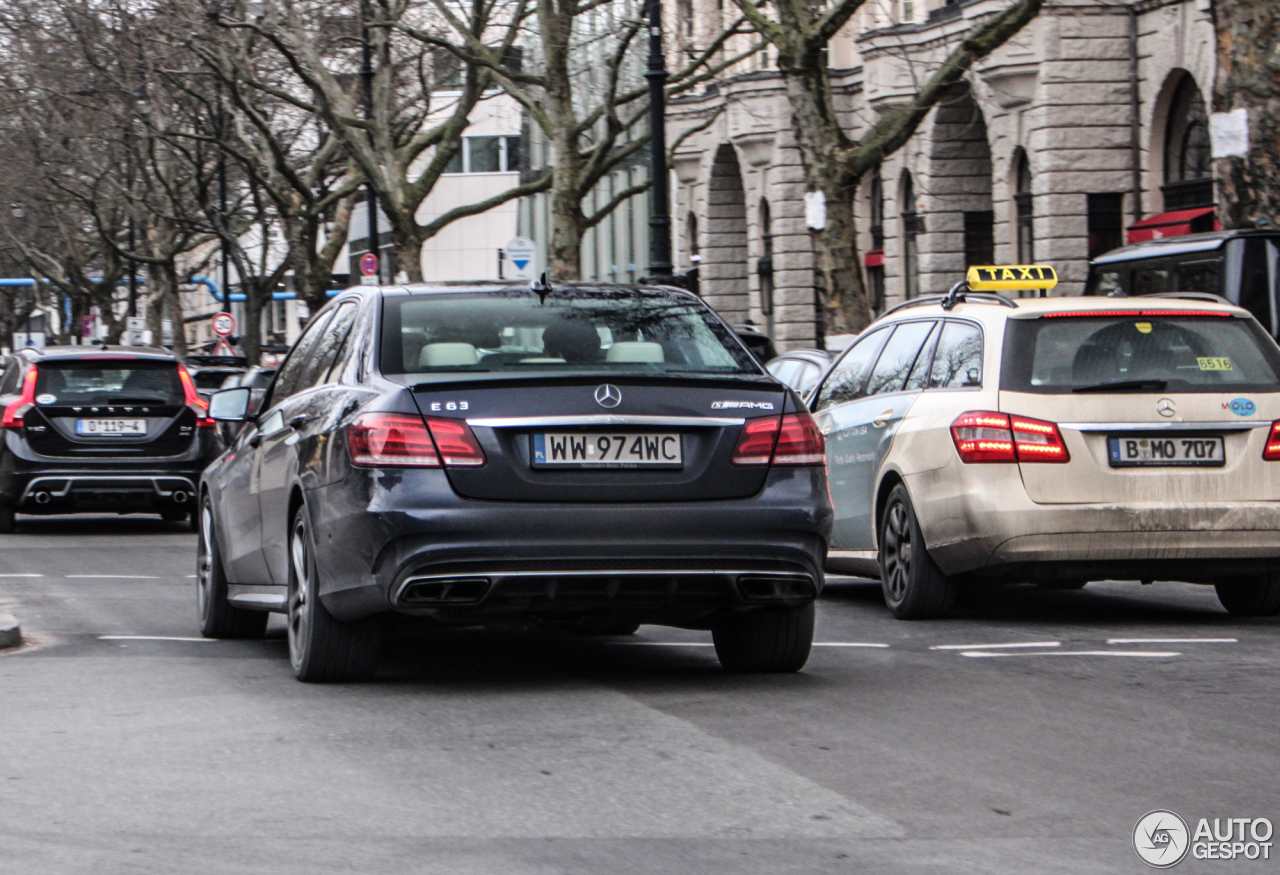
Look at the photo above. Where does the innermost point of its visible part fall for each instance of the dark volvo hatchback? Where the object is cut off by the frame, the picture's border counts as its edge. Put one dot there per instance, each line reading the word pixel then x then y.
pixel 100 429
pixel 580 457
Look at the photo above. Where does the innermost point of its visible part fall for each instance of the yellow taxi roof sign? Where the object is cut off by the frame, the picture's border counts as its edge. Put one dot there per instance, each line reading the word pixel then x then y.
pixel 1011 277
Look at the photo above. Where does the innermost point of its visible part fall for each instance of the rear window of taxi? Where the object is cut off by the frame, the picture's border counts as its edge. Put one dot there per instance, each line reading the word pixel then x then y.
pixel 1198 352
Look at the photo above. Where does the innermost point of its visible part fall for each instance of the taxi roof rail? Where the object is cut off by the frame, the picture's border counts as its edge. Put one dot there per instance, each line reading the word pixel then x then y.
pixel 966 297
pixel 1190 296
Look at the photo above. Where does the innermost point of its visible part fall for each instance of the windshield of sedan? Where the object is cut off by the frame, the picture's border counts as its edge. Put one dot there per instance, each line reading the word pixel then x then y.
pixel 568 330
pixel 1138 354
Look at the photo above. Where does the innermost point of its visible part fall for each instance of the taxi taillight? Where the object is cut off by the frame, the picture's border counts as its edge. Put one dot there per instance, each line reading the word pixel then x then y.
pixel 986 436
pixel 791 440
pixel 1271 452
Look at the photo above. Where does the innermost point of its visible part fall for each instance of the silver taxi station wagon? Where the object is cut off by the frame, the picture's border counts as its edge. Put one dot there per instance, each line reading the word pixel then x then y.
pixel 1056 441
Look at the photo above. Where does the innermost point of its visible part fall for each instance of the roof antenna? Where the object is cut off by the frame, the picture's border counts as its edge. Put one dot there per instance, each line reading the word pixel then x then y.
pixel 956 295
pixel 542 285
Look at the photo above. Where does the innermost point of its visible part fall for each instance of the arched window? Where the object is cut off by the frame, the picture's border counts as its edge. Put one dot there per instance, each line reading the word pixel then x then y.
pixel 1023 209
pixel 764 267
pixel 691 232
pixel 1188 172
pixel 910 238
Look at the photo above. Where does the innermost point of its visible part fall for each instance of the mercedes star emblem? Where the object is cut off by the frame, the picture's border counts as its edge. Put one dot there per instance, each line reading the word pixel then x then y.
pixel 1165 407
pixel 608 396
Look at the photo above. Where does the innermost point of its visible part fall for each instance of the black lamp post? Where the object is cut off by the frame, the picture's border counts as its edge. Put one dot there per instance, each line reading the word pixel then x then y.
pixel 660 220
pixel 366 81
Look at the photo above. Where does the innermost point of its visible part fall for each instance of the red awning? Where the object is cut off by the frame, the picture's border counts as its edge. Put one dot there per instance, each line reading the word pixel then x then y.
pixel 875 258
pixel 1172 224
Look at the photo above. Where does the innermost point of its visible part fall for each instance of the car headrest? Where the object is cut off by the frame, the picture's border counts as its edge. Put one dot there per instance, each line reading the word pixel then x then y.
pixel 636 351
pixel 439 355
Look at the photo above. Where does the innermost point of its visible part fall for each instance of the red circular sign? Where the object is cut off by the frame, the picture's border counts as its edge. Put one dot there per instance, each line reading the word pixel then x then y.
pixel 369 264
pixel 224 324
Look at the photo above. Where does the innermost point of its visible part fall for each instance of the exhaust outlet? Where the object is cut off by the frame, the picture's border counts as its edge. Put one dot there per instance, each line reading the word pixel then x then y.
pixel 43 498
pixel 180 497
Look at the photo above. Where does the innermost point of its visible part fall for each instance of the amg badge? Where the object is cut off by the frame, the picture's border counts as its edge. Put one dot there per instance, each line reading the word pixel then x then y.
pixel 741 405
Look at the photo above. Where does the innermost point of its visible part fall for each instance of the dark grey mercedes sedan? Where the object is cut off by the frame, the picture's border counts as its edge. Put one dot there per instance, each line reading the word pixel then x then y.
pixel 577 456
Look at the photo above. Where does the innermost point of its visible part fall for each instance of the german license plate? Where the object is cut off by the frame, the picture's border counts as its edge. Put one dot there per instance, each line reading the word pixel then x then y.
pixel 1129 451
pixel 617 450
pixel 111 427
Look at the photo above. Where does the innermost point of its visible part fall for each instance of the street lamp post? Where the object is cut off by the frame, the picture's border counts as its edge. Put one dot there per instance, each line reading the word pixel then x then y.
pixel 660 270
pixel 366 81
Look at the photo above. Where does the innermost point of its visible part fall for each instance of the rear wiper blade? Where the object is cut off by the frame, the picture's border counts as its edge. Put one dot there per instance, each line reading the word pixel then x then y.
pixel 1125 386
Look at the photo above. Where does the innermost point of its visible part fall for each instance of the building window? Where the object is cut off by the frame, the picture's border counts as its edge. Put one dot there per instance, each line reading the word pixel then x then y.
pixel 911 229
pixel 764 267
pixel 691 230
pixel 1106 222
pixel 1188 172
pixel 875 258
pixel 1023 211
pixel 979 237
pixel 487 155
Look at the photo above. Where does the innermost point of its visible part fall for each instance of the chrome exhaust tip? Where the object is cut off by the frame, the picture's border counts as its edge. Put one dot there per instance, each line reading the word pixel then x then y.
pixel 180 497
pixel 43 498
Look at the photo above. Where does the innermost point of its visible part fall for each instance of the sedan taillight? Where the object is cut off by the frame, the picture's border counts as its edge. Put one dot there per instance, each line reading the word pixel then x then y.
pixel 15 412
pixel 985 436
pixel 790 440
pixel 457 444
pixel 1271 452
pixel 399 440
pixel 195 403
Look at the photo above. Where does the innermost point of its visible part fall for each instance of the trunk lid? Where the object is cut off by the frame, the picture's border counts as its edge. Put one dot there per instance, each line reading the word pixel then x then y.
pixel 507 415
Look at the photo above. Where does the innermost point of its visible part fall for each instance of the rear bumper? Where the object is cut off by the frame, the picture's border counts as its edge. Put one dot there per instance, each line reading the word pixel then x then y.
pixel 1001 532
pixel 70 493
pixel 404 542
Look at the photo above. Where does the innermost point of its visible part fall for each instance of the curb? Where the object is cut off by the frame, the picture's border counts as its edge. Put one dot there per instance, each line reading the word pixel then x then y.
pixel 10 631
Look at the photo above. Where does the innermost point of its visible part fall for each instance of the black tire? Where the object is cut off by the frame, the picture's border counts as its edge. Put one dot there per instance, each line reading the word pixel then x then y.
pixel 322 648
pixel 765 641
pixel 1062 584
pixel 1251 596
pixel 914 586
pixel 6 518
pixel 218 617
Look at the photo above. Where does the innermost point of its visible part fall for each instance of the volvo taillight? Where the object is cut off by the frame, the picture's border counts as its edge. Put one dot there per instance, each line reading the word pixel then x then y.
pixel 986 436
pixel 1271 452
pixel 456 443
pixel 193 399
pixel 16 411
pixel 394 440
pixel 790 440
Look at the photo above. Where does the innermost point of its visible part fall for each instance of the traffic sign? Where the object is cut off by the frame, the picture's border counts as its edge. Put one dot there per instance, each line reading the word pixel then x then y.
pixel 522 258
pixel 223 348
pixel 224 324
pixel 369 264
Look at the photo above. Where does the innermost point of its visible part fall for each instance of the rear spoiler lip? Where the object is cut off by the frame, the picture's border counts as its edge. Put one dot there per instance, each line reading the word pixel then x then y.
pixel 477 380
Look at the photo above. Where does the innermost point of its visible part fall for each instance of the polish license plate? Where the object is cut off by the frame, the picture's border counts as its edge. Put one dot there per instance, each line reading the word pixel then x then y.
pixel 1130 451
pixel 617 450
pixel 111 427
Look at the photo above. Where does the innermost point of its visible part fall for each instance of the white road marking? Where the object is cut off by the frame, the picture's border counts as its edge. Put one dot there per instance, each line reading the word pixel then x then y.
pixel 709 644
pixel 1009 645
pixel 847 644
pixel 1173 640
pixel 148 638
pixel 21 575
pixel 192 576
pixel 113 576
pixel 1135 653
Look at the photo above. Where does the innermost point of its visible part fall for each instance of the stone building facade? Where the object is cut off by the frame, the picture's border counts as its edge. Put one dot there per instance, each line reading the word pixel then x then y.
pixel 1090 120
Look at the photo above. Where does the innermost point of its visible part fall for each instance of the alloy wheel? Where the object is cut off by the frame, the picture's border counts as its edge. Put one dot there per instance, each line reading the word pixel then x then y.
pixel 204 560
pixel 299 586
pixel 897 551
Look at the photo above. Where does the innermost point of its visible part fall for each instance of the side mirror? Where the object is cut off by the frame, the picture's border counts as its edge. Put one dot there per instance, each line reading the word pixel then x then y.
pixel 230 405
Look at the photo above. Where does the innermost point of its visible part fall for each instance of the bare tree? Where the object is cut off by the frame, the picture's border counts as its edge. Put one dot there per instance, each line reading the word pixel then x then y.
pixel 800 30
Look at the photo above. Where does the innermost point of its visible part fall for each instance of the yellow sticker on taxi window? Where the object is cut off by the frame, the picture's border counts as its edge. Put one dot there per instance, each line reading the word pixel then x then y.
pixel 1214 363
pixel 1143 327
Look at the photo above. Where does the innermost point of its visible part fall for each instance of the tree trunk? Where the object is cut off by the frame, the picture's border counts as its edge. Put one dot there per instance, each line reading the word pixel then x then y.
pixel 844 297
pixel 564 251
pixel 409 254
pixel 251 331
pixel 1249 78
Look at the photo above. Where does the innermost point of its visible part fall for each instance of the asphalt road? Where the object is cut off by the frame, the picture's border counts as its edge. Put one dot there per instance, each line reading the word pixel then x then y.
pixel 129 745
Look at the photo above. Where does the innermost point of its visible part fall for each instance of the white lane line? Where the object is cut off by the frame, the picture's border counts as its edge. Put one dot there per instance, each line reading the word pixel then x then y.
pixel 112 576
pixel 1173 640
pixel 847 644
pixel 1009 645
pixel 148 638
pixel 191 576
pixel 709 644
pixel 1145 654
pixel 21 575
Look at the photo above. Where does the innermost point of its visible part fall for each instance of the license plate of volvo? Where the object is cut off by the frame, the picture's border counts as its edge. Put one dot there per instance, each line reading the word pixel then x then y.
pixel 617 450
pixel 111 427
pixel 1134 451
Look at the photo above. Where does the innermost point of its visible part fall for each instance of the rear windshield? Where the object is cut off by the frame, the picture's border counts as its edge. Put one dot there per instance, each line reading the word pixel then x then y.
pixel 1185 353
pixel 568 331
pixel 108 382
